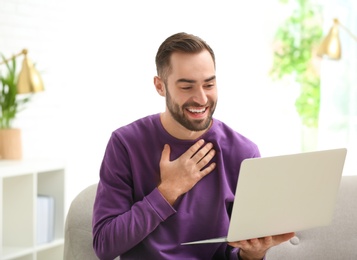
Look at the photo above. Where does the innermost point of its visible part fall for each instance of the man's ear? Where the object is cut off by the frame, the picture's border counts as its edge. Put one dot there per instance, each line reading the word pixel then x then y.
pixel 160 86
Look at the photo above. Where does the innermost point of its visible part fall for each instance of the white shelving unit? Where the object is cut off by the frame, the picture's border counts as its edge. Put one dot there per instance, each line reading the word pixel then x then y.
pixel 20 183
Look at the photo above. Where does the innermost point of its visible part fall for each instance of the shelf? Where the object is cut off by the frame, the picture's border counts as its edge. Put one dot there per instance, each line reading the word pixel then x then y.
pixel 52 251
pixel 20 184
pixel 15 252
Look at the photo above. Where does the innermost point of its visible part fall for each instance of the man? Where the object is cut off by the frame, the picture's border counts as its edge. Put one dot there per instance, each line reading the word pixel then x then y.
pixel 170 178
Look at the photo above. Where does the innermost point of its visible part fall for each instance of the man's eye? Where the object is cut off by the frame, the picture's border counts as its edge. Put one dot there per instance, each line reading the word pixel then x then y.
pixel 186 88
pixel 209 86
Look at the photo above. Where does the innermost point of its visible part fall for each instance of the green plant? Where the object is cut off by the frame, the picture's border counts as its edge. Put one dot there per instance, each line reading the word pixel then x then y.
pixel 10 102
pixel 295 43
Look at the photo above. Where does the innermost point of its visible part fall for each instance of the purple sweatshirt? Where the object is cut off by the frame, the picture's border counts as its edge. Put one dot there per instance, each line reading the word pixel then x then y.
pixel 132 219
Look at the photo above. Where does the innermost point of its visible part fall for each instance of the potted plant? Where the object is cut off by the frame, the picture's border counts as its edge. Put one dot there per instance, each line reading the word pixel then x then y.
pixel 296 42
pixel 10 104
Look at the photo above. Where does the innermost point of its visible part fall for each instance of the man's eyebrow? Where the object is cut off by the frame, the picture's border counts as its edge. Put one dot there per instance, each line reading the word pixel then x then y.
pixel 185 80
pixel 194 81
pixel 210 78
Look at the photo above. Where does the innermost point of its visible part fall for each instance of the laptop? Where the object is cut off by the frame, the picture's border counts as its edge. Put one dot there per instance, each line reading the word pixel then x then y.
pixel 282 194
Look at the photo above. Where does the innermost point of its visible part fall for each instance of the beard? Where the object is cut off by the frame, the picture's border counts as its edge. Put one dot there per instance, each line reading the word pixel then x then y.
pixel 178 114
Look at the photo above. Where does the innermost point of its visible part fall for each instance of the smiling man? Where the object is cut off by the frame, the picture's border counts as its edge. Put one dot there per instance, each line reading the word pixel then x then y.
pixel 191 94
pixel 170 178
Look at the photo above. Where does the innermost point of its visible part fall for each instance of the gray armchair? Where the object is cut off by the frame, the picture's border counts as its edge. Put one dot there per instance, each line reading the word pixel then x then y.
pixel 78 227
pixel 337 241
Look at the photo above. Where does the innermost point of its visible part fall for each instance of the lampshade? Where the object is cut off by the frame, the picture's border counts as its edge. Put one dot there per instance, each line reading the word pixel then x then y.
pixel 29 80
pixel 331 45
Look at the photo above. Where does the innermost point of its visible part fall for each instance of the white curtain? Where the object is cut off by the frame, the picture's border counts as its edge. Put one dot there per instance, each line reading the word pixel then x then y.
pixel 338 113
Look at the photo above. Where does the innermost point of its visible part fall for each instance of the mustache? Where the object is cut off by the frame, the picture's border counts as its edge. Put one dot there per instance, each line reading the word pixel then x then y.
pixel 195 104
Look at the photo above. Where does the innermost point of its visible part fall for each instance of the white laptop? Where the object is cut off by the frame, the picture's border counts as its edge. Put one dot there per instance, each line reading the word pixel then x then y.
pixel 283 194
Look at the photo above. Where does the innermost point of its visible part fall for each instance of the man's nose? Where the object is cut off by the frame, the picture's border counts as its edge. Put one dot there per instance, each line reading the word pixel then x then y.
pixel 200 96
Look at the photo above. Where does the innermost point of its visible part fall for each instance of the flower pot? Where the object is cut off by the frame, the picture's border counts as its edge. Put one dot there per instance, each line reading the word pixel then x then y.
pixel 10 144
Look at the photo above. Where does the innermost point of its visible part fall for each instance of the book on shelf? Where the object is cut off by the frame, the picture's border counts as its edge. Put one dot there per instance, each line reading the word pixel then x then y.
pixel 45 219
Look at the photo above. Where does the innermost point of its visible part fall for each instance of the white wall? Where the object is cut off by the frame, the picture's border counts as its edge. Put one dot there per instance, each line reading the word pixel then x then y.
pixel 97 62
pixel 338 111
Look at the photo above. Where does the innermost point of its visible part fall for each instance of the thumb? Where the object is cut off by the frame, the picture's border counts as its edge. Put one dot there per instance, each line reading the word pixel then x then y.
pixel 165 155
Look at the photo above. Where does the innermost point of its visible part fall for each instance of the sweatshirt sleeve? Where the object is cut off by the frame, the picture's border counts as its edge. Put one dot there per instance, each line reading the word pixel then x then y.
pixel 119 222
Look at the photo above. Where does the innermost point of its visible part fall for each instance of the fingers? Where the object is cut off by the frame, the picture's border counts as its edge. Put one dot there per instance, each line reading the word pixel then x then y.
pixel 165 155
pixel 180 175
pixel 283 237
pixel 208 169
pixel 194 148
pixel 262 244
pixel 195 160
pixel 256 247
pixel 248 244
pixel 200 154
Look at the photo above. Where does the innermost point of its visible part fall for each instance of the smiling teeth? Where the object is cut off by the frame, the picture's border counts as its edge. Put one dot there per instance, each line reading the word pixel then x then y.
pixel 197 110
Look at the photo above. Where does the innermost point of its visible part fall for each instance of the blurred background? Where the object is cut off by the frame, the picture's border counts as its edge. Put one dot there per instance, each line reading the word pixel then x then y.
pixel 96 59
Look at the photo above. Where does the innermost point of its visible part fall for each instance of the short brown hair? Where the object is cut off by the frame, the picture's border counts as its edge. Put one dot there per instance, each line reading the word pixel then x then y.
pixel 179 42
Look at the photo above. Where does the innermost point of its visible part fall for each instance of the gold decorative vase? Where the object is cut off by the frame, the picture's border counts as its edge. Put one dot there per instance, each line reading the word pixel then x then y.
pixel 10 144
